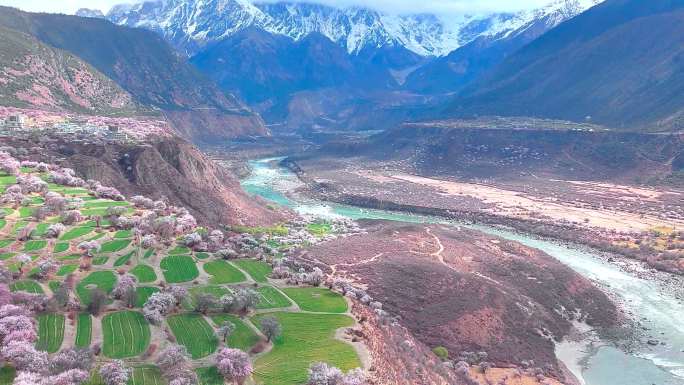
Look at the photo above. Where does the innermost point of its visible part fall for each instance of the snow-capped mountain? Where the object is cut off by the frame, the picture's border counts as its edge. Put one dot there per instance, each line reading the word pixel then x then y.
pixel 192 24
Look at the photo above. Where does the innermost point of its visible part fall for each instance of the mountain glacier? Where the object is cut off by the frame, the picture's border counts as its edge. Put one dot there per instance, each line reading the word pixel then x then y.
pixel 193 24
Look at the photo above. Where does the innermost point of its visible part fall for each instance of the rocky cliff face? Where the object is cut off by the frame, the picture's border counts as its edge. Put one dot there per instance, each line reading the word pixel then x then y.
pixel 171 168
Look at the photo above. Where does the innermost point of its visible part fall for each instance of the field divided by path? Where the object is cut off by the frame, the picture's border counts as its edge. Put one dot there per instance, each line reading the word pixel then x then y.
pixel 126 334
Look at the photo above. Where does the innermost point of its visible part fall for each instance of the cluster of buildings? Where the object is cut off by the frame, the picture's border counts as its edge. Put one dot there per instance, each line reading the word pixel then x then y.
pixel 19 125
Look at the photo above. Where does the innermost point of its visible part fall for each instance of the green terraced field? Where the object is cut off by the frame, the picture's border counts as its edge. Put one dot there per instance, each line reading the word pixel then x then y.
pixel 114 246
pixel 201 255
pixel 7 374
pixel 76 232
pixel 179 268
pixel 123 259
pixel 144 273
pixel 101 260
pixel 28 286
pixel 69 257
pixel 193 331
pixel 8 255
pixel 103 280
pixel 50 332
pixel 84 329
pixel 143 293
pixel 180 250
pixel 101 203
pixel 61 247
pixel 126 334
pixel 122 234
pixel 243 336
pixel 223 272
pixel 306 338
pixel 2 223
pixel 209 376
pixel 34 245
pixel 146 375
pixel 317 299
pixel 259 271
pixel 6 242
pixel 66 269
pixel 271 298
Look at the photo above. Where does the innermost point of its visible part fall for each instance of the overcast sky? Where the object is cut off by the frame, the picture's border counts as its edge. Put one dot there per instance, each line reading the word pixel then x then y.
pixel 393 6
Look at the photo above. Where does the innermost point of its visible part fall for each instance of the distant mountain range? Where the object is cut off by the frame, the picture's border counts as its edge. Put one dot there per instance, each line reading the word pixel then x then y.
pixel 191 24
pixel 619 64
pixel 306 66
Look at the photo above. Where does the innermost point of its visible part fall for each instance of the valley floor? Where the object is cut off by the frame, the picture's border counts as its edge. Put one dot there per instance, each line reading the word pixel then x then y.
pixel 637 221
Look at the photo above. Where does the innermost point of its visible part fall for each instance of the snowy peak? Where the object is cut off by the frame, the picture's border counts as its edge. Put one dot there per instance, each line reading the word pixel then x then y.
pixel 192 24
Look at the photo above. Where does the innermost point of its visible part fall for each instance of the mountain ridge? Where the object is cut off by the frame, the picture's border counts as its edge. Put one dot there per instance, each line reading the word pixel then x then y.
pixel 190 24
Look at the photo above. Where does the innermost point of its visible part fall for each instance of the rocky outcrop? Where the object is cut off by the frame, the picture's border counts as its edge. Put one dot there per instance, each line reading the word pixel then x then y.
pixel 171 169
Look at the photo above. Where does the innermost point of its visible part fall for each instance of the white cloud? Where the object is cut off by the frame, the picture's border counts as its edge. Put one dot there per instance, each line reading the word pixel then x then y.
pixel 391 6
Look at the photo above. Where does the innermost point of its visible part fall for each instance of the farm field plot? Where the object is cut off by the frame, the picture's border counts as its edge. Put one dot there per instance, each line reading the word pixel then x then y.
pixel 50 332
pixel 122 260
pixel 259 271
pixel 126 334
pixel 100 203
pixel 271 298
pixel 180 250
pixel 7 374
pixel 123 234
pixel 76 232
pixel 34 245
pixel 84 330
pixel 209 376
pixel 216 291
pixel 2 223
pixel 306 338
pixel 223 272
pixel 317 299
pixel 28 286
pixel 114 246
pixel 193 331
pixel 143 293
pixel 179 268
pixel 61 247
pixel 103 280
pixel 146 375
pixel 6 242
pixel 66 269
pixel 144 273
pixel 243 337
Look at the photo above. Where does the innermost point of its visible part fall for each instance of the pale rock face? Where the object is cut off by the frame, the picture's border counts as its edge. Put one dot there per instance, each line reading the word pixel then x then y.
pixel 192 24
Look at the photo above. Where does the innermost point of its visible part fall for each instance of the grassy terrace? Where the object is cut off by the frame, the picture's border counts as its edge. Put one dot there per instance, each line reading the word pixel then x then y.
pixel 144 273
pixel 192 331
pixel 126 334
pixel 84 329
pixel 223 272
pixel 259 271
pixel 243 337
pixel 306 338
pixel 179 268
pixel 316 299
pixel 103 280
pixel 50 332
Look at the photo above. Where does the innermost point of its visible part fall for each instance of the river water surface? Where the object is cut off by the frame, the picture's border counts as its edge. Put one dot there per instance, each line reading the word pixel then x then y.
pixel 592 361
